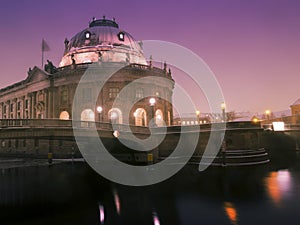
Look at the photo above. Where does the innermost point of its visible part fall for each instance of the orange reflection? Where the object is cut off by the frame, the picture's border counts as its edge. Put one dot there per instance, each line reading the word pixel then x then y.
pixel 278 184
pixel 231 212
pixel 273 188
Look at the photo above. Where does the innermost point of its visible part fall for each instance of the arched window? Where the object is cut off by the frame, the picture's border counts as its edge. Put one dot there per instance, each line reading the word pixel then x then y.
pixel 87 115
pixel 140 117
pixel 159 119
pixel 64 115
pixel 115 116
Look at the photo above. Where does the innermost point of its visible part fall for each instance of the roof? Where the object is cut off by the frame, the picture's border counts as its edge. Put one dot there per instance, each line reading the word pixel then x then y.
pixel 102 40
pixel 297 102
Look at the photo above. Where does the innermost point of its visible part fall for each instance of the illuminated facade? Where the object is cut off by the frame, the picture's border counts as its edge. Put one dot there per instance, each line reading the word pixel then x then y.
pixel 295 110
pixel 49 92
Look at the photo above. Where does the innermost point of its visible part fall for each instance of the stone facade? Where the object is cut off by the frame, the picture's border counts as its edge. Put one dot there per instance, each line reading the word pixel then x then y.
pixel 49 93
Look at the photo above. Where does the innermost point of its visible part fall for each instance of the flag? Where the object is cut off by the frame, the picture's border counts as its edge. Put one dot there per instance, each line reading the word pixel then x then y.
pixel 45 46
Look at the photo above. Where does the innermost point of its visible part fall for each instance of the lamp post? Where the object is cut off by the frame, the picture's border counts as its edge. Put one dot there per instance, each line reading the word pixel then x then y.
pixel 152 102
pixel 99 110
pixel 223 107
pixel 268 112
pixel 198 116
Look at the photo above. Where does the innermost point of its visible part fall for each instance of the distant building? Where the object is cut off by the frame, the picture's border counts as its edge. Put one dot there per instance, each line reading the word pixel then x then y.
pixel 295 110
pixel 47 93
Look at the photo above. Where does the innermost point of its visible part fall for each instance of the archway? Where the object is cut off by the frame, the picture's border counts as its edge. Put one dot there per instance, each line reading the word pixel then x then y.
pixel 87 115
pixel 64 115
pixel 115 116
pixel 159 118
pixel 140 117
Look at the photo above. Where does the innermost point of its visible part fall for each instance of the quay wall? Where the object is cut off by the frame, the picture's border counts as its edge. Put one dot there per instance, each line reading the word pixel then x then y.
pixel 37 138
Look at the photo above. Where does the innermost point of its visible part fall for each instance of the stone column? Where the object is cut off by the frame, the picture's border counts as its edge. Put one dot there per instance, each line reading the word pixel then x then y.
pixel 33 102
pixel 46 104
pixel 50 103
pixel 15 100
pixel 8 109
pixel 22 110
pixel 1 105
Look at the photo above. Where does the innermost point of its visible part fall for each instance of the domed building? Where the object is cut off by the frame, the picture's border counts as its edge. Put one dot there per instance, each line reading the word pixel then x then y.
pixel 48 93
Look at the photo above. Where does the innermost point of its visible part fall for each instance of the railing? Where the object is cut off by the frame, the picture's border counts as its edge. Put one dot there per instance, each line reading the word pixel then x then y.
pixel 57 123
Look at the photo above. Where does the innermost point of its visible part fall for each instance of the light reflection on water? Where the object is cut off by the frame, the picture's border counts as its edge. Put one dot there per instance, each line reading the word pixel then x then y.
pixel 74 194
pixel 231 212
pixel 279 186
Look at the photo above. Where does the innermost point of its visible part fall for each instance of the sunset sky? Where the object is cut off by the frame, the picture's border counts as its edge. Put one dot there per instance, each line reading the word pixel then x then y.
pixel 253 47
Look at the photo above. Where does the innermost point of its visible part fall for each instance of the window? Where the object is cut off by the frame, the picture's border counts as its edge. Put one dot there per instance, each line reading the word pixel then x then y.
pixel 11 107
pixel 19 106
pixel 64 97
pixel 26 104
pixel 139 93
pixel 113 92
pixel 87 35
pixel 121 36
pixel 4 110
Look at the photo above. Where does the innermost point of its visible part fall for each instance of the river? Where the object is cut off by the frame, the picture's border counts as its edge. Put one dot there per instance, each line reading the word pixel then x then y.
pixel 32 192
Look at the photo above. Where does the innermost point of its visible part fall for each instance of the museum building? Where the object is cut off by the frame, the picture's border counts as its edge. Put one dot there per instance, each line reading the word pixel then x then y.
pixel 48 93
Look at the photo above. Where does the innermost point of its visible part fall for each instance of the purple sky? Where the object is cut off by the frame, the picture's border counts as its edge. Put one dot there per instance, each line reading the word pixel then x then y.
pixel 253 47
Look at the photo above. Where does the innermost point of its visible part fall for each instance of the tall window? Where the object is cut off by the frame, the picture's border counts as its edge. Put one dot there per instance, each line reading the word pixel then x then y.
pixel 11 107
pixel 19 106
pixel 113 92
pixel 139 93
pixel 26 104
pixel 64 97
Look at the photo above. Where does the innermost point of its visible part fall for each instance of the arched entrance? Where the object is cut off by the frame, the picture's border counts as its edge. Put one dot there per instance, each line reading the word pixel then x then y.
pixel 115 116
pixel 64 115
pixel 140 117
pixel 159 119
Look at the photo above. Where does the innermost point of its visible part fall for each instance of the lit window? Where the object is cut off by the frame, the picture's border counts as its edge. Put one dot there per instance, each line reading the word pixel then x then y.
pixel 87 35
pixel 113 92
pixel 139 93
pixel 121 36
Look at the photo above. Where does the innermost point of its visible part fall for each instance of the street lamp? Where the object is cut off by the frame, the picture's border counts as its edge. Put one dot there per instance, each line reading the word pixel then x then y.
pixel 152 102
pixel 223 107
pixel 99 110
pixel 198 116
pixel 268 112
